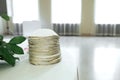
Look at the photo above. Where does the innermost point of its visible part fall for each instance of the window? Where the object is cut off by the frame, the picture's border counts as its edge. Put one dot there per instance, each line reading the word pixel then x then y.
pixel 66 11
pixel 107 12
pixel 25 10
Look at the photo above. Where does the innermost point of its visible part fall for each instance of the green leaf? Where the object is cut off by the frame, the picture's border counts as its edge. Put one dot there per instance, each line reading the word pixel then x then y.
pixel 3 43
pixel 5 16
pixel 8 46
pixel 1 38
pixel 16 49
pixel 0 52
pixel 17 40
pixel 7 56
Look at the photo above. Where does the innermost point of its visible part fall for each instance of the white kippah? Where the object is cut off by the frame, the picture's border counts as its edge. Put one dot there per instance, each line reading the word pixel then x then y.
pixel 44 47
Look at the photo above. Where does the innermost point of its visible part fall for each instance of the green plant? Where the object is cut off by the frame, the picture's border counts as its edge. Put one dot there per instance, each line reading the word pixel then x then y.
pixel 8 49
pixel 5 17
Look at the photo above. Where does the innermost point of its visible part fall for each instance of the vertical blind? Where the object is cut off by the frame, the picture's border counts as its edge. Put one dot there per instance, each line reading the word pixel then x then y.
pixel 25 10
pixel 66 11
pixel 107 11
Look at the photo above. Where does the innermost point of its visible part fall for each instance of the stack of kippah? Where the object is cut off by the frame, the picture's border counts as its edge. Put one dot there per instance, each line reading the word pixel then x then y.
pixel 44 47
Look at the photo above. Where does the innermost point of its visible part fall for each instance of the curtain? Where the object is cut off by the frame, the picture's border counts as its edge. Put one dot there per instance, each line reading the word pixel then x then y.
pixel 107 17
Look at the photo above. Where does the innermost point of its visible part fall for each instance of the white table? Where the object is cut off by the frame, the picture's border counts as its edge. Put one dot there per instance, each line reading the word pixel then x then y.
pixel 64 70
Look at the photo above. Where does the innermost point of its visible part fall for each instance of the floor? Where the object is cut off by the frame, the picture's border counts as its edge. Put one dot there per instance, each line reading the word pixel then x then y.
pixel 98 58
